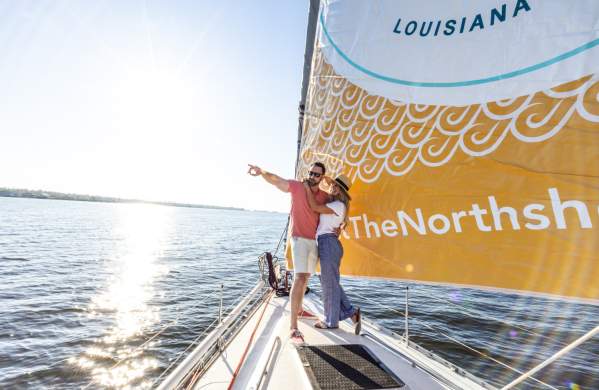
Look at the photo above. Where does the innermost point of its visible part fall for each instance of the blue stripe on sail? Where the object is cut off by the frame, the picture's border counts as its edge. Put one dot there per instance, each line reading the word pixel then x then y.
pixel 504 76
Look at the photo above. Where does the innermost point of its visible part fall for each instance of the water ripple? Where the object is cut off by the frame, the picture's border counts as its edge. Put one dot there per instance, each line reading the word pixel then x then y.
pixel 83 286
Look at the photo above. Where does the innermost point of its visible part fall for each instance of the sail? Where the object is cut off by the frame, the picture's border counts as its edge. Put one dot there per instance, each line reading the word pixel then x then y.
pixel 470 131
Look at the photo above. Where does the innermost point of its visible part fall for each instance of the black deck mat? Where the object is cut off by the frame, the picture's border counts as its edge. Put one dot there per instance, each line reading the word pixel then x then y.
pixel 349 366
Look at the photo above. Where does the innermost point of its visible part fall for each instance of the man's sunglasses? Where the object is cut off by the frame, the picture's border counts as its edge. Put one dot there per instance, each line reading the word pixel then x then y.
pixel 315 174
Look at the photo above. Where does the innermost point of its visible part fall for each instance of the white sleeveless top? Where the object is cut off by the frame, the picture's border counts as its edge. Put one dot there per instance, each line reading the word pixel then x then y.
pixel 329 222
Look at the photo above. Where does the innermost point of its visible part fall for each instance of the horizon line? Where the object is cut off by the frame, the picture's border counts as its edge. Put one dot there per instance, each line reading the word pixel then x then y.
pixel 9 192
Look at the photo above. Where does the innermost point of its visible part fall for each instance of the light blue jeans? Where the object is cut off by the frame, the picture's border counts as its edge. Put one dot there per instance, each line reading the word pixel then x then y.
pixel 337 306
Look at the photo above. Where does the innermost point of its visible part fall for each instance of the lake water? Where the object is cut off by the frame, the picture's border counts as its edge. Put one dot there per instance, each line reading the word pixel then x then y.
pixel 84 286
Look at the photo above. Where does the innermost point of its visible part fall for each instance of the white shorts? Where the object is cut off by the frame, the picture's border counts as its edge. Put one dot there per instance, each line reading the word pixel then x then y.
pixel 304 254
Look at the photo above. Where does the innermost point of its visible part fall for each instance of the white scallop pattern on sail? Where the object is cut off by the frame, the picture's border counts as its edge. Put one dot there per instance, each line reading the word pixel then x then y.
pixel 365 135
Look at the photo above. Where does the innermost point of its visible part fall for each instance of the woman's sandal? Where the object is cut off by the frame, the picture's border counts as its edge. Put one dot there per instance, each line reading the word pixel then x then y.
pixel 322 325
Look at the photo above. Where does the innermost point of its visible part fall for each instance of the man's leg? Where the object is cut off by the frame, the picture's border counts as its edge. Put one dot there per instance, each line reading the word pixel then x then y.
pixel 304 254
pixel 298 254
pixel 298 289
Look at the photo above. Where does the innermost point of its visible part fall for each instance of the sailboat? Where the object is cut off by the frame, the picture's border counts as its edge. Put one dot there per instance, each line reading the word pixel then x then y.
pixel 470 131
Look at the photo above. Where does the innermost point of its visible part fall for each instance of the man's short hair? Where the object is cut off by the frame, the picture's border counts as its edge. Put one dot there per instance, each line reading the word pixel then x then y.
pixel 321 165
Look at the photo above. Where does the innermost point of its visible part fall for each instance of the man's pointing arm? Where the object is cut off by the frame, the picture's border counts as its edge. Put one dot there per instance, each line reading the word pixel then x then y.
pixel 271 178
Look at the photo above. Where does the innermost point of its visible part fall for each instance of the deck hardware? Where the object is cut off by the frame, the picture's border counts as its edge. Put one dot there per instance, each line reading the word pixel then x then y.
pixel 269 366
pixel 406 317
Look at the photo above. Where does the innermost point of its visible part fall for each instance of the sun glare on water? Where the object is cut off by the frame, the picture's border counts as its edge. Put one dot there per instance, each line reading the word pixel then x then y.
pixel 116 359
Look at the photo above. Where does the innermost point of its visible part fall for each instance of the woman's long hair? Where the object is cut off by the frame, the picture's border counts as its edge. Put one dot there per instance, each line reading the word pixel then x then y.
pixel 343 198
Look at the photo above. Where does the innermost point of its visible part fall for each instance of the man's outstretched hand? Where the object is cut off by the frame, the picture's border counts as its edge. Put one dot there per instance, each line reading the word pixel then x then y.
pixel 254 170
pixel 270 177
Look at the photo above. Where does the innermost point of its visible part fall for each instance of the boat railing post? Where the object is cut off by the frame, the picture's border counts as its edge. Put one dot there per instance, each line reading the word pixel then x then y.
pixel 406 315
pixel 220 307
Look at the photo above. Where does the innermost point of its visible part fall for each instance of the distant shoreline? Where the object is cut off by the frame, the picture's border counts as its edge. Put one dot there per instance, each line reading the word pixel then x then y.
pixel 52 195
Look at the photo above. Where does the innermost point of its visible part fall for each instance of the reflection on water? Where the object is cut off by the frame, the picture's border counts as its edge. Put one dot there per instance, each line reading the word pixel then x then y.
pixel 115 360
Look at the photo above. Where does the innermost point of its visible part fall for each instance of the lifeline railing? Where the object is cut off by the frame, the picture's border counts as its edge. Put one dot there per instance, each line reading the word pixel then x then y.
pixel 191 368
pixel 171 323
pixel 147 342
pixel 523 375
pixel 223 330
pixel 553 358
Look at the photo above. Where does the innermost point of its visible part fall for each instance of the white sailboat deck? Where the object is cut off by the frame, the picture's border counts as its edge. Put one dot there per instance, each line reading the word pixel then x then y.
pixel 268 359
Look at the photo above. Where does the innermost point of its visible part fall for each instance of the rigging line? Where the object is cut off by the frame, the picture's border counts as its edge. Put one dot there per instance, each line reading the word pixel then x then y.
pixel 499 320
pixel 378 303
pixel 180 354
pixel 553 358
pixel 282 236
pixel 456 341
pixel 481 353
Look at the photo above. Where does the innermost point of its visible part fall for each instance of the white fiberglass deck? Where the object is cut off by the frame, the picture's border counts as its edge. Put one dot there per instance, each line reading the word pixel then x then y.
pixel 272 362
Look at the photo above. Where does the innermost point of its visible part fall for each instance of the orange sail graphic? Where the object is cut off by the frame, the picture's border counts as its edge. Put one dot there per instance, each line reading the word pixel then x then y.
pixel 496 194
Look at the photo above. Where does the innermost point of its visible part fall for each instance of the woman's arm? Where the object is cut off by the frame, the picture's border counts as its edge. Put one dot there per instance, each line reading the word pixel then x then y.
pixel 319 208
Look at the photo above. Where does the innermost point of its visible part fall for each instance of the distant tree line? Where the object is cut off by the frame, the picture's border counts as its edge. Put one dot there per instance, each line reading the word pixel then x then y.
pixel 41 194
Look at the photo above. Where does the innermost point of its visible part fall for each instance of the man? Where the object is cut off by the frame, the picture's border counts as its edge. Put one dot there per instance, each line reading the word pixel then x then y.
pixel 303 226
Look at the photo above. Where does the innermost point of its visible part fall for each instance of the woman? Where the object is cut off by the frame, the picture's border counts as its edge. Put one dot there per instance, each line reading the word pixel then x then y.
pixel 333 216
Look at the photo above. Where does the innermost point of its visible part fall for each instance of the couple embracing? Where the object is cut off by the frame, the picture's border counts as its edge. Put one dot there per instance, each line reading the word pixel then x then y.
pixel 316 220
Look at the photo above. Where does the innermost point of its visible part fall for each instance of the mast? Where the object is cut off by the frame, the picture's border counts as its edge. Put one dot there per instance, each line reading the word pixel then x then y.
pixel 310 39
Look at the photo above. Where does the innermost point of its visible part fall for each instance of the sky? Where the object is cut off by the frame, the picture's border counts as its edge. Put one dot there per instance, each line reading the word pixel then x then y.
pixel 153 100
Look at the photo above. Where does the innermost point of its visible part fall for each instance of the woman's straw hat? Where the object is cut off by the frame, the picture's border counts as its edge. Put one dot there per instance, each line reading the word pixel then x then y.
pixel 344 183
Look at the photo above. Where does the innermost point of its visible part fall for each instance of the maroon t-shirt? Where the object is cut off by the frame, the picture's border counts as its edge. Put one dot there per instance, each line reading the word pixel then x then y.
pixel 304 221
